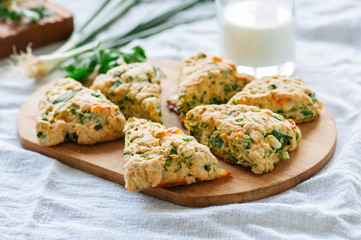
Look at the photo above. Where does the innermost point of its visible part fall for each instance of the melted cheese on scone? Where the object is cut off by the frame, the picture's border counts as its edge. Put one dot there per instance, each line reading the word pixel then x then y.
pixel 134 88
pixel 289 97
pixel 206 79
pixel 243 134
pixel 155 156
pixel 71 111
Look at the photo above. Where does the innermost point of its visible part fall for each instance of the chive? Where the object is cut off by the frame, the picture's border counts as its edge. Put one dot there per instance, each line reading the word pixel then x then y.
pixel 40 135
pixel 172 152
pixel 307 113
pixel 217 142
pixel 179 167
pixel 116 84
pixel 118 74
pixel 283 154
pixel 95 95
pixel 44 117
pixel 272 86
pixel 98 127
pixel 128 153
pixel 313 97
pixel 66 96
pixel 207 167
pixel 186 139
pixel 231 112
pixel 73 110
pixel 167 163
pixel 277 117
pixel 80 41
pixel 282 138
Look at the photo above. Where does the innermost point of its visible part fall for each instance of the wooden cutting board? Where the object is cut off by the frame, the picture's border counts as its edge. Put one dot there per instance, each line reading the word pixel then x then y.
pixel 19 34
pixel 105 160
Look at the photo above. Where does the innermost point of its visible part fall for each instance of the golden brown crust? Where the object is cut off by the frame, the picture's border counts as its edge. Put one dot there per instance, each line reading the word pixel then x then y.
pixel 207 79
pixel 155 156
pixel 72 111
pixel 134 88
pixel 289 97
pixel 243 134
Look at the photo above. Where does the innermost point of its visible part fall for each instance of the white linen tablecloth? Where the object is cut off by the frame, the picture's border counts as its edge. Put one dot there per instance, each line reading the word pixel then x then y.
pixel 41 198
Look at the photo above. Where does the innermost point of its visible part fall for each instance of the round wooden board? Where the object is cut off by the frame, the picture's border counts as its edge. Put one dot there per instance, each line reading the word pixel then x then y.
pixel 105 160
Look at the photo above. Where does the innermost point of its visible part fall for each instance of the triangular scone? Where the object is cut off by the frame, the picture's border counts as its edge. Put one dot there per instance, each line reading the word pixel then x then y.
pixel 206 79
pixel 134 88
pixel 155 156
pixel 71 111
pixel 289 97
pixel 243 134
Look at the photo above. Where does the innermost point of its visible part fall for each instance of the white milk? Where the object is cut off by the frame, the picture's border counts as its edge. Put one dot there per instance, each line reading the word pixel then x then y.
pixel 258 33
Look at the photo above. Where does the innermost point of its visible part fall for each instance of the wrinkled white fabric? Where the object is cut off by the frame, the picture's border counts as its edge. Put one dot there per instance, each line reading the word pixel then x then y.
pixel 41 198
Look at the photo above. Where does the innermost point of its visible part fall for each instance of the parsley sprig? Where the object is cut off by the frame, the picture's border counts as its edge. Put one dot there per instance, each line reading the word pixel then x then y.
pixel 82 66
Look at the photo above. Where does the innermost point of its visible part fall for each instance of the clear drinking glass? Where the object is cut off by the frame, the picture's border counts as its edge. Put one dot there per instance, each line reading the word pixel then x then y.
pixel 259 35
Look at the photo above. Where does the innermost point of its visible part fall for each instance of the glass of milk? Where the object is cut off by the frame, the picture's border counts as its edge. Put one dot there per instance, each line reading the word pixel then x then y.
pixel 259 35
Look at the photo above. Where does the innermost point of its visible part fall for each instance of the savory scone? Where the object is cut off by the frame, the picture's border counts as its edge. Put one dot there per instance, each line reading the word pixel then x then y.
pixel 289 97
pixel 243 134
pixel 71 111
pixel 134 88
pixel 206 79
pixel 155 156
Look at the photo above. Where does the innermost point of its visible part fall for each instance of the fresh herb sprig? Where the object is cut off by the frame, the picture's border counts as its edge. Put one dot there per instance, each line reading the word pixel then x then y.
pixel 15 13
pixel 80 42
pixel 82 66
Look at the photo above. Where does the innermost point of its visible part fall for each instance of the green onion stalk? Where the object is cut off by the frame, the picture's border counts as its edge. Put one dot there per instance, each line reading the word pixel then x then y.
pixel 81 41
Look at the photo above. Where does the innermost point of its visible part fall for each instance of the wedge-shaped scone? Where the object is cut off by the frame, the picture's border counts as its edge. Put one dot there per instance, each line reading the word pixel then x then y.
pixel 155 156
pixel 134 88
pixel 72 111
pixel 289 97
pixel 206 79
pixel 243 134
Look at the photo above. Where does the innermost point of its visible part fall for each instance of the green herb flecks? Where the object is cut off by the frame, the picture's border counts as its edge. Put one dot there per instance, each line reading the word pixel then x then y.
pixel 282 138
pixel 207 167
pixel 73 110
pixel 278 118
pixel 98 127
pixel 44 117
pixel 307 113
pixel 41 136
pixel 217 141
pixel 173 152
pixel 178 167
pixel 66 96
pixel 283 154
pixel 231 112
pixel 97 94
pixel 272 86
pixel 116 84
pixel 167 163
pixel 313 97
